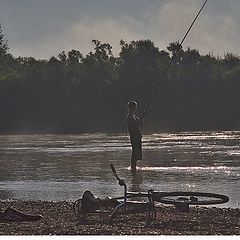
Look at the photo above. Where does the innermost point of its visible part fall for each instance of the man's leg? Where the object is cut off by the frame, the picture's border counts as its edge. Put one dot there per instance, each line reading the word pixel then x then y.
pixel 133 164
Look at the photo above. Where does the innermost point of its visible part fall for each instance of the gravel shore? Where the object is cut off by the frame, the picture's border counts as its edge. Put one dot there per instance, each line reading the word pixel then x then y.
pixel 60 219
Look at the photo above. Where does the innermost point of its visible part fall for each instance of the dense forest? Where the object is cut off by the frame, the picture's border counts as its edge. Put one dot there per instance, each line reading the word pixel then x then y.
pixel 72 93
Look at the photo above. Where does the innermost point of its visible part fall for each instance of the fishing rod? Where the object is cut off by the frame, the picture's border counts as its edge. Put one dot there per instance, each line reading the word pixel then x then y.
pixel 172 59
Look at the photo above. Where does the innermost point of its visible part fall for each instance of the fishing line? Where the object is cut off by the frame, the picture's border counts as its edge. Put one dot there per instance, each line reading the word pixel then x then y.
pixel 171 61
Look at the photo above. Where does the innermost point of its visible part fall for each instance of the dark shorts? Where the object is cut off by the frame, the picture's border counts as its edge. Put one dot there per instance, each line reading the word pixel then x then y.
pixel 136 149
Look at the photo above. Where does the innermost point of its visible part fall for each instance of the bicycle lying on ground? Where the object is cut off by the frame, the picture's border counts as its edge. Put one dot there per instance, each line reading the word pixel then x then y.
pixel 90 204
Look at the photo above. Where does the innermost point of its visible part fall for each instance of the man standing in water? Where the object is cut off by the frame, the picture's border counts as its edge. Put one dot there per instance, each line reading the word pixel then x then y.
pixel 133 124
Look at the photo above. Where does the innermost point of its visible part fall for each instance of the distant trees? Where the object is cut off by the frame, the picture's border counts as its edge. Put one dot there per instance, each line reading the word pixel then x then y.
pixel 72 93
pixel 3 43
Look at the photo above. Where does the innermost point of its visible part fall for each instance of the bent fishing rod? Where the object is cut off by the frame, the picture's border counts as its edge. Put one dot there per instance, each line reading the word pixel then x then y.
pixel 172 59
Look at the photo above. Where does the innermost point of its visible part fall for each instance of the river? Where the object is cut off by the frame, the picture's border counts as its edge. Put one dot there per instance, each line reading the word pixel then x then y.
pixel 61 167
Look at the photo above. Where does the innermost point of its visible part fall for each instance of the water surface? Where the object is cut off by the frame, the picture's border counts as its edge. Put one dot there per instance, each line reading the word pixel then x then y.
pixel 62 167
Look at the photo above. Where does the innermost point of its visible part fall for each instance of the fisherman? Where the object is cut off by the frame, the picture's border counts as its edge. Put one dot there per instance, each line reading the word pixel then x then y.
pixel 133 124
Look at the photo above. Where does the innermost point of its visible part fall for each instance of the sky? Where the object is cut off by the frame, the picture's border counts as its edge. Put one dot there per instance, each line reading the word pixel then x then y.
pixel 45 28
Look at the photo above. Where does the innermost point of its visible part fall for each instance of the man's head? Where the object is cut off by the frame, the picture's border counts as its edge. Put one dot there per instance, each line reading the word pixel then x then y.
pixel 132 106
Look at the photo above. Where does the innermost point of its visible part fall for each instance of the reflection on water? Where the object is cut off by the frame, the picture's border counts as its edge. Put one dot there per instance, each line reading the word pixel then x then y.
pixel 61 167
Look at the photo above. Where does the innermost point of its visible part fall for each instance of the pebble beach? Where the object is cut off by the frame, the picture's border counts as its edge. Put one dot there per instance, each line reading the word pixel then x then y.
pixel 59 218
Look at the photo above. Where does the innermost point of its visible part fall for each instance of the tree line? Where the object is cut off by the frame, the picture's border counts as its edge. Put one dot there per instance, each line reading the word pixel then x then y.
pixel 73 93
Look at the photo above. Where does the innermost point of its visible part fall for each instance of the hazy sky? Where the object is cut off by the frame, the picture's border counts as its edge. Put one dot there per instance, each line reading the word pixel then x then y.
pixel 43 28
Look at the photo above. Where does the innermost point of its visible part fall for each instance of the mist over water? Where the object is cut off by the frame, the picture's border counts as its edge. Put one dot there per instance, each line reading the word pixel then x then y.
pixel 62 167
